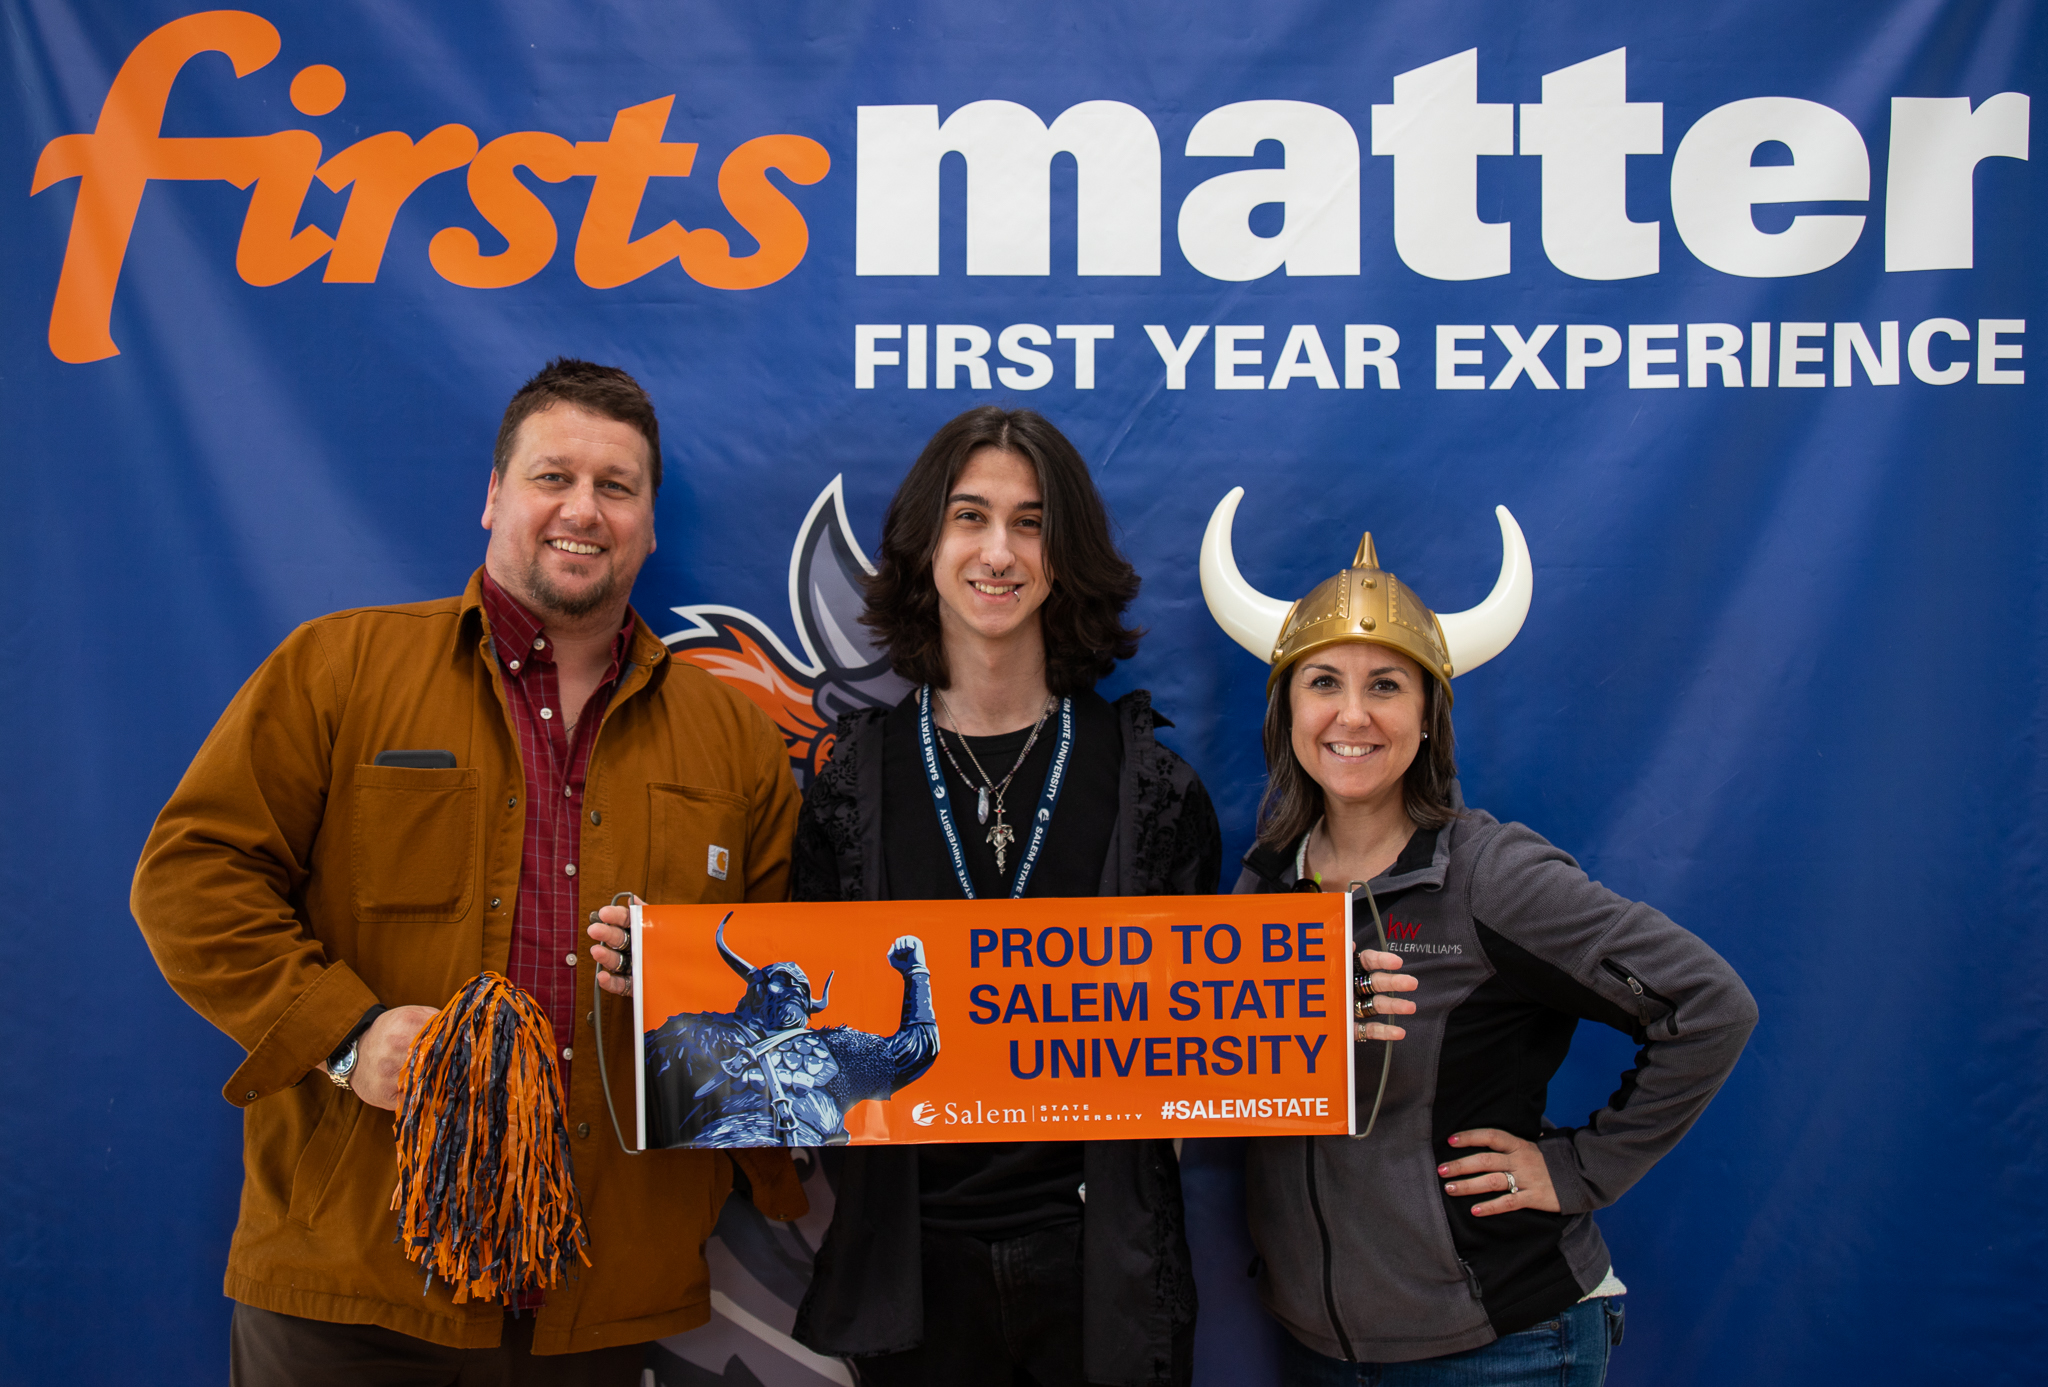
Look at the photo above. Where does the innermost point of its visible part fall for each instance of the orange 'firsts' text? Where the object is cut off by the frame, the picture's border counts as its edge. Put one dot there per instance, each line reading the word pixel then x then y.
pixel 126 149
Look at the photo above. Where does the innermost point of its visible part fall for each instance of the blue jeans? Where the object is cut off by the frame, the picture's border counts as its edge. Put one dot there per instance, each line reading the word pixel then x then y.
pixel 1569 1351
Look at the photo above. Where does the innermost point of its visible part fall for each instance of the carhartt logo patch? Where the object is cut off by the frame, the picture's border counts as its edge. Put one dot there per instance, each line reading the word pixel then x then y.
pixel 717 861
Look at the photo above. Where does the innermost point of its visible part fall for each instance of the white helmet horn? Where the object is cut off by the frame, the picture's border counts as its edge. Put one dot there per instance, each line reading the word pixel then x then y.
pixel 1473 637
pixel 1247 615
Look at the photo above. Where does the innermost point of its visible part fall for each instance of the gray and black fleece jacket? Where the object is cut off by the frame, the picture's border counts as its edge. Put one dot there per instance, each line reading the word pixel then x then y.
pixel 1364 1257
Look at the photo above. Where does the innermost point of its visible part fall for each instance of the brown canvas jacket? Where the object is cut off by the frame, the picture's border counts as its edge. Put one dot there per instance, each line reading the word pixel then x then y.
pixel 290 884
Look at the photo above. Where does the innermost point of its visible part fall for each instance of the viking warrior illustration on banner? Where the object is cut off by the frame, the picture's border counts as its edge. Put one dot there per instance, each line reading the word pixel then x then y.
pixel 760 1076
pixel 840 668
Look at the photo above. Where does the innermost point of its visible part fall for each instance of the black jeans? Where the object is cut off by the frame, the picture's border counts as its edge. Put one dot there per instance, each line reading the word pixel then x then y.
pixel 994 1312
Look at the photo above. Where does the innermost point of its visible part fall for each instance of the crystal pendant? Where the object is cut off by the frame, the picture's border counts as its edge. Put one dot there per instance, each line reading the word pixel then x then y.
pixel 981 809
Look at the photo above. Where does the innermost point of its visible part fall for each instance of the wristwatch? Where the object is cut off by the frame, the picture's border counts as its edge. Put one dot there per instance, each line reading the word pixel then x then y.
pixel 340 1071
pixel 341 1065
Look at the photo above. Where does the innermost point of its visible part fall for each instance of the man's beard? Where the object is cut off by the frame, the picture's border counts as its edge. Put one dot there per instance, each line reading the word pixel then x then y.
pixel 546 594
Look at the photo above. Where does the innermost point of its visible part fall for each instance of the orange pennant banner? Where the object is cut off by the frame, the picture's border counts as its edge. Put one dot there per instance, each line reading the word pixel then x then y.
pixel 1031 1020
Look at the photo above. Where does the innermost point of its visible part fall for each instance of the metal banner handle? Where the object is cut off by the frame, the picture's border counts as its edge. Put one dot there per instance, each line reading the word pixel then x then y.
pixel 1387 1059
pixel 604 1078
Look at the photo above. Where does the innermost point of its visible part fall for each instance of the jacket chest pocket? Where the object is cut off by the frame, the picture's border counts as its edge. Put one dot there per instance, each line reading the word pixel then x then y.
pixel 696 842
pixel 414 844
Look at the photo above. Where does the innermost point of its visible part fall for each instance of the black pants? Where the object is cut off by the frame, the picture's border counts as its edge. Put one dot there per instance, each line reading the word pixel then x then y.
pixel 994 1313
pixel 266 1349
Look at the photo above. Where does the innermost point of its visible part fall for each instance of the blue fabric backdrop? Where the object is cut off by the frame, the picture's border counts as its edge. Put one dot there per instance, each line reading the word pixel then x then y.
pixel 1782 677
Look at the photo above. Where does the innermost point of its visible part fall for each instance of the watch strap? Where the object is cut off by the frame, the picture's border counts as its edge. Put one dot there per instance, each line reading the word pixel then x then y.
pixel 348 1042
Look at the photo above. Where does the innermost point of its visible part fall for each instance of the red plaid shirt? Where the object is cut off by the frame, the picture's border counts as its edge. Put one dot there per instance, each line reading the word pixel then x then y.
pixel 548 942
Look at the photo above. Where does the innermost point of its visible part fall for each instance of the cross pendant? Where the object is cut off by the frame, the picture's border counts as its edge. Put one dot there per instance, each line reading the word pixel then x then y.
pixel 1001 836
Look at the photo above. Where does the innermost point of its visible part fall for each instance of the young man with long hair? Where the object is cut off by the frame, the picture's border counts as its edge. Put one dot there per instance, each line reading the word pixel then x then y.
pixel 1001 594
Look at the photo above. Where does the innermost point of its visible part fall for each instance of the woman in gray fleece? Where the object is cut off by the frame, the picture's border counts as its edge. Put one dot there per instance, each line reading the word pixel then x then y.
pixel 1456 1243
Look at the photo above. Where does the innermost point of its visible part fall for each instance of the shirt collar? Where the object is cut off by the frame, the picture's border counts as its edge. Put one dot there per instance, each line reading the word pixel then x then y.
pixel 1424 859
pixel 520 638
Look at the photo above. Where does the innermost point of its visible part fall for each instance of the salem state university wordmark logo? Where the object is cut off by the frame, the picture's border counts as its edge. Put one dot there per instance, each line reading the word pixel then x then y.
pixel 840 669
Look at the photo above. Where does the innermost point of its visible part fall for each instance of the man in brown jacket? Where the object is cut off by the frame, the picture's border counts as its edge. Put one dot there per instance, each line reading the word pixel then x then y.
pixel 403 797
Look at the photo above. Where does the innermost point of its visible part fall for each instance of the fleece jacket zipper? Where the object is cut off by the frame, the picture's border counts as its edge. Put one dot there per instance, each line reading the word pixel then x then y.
pixel 1315 1204
pixel 1635 985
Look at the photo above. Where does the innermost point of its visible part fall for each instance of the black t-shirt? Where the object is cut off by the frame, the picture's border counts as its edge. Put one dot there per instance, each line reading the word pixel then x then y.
pixel 1070 862
pixel 1000 1189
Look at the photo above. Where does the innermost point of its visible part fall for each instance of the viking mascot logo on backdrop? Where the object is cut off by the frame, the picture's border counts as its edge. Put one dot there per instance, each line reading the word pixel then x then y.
pixel 758 1075
pixel 840 669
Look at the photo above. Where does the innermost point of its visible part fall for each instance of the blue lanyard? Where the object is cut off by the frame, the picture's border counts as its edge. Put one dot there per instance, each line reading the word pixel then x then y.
pixel 928 748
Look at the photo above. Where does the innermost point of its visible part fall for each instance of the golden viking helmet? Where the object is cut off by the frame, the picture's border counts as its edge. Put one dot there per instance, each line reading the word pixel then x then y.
pixel 1365 603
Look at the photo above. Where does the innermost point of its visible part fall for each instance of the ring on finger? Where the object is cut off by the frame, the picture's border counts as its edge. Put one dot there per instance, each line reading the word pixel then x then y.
pixel 1513 1188
pixel 1365 985
pixel 1365 1009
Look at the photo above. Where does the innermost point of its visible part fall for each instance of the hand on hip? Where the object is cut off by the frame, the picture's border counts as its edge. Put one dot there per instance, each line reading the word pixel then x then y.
pixel 1513 1168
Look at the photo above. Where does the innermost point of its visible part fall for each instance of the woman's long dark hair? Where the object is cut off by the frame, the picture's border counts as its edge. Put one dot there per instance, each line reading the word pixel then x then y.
pixel 1092 583
pixel 1293 801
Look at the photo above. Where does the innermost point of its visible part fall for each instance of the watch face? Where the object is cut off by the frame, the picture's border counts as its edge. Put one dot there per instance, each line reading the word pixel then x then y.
pixel 343 1068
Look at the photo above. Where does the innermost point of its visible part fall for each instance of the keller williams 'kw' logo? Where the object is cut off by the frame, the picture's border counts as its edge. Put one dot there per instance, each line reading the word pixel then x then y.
pixel 840 669
pixel 1403 936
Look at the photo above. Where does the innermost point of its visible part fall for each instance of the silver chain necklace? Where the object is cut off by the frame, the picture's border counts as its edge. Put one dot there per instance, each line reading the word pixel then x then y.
pixel 1001 835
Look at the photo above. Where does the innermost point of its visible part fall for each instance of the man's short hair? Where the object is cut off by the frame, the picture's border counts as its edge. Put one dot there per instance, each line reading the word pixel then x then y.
pixel 603 390
pixel 1092 583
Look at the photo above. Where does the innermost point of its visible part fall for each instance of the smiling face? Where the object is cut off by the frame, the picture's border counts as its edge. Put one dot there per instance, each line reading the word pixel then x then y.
pixel 989 566
pixel 1358 712
pixel 572 515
